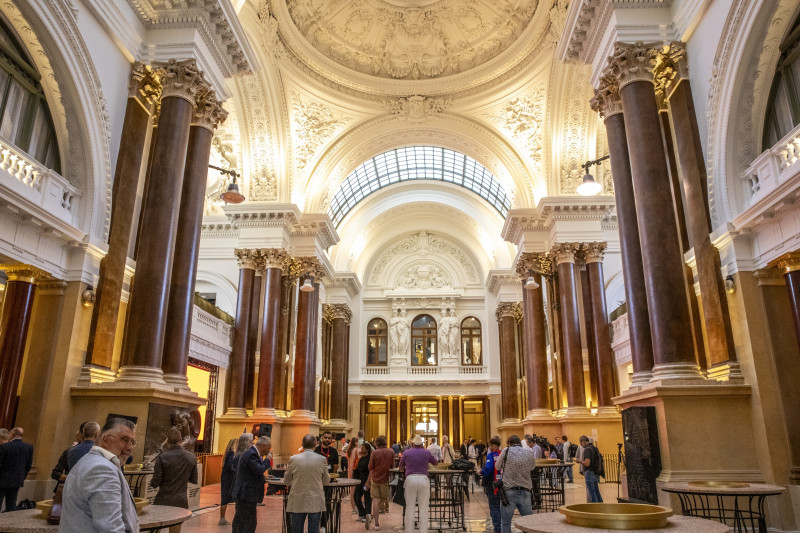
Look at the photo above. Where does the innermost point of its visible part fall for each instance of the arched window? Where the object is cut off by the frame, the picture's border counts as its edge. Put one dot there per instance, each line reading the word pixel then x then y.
pixel 471 353
pixel 783 110
pixel 377 342
pixel 423 341
pixel 25 119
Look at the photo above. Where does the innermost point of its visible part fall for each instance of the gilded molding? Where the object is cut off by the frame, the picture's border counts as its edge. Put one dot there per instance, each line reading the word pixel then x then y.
pixel 505 309
pixel 208 111
pixel 25 273
pixel 606 101
pixel 593 251
pixel 789 262
pixel 565 252
pixel 519 314
pixel 670 66
pixel 633 62
pixel 180 79
pixel 247 258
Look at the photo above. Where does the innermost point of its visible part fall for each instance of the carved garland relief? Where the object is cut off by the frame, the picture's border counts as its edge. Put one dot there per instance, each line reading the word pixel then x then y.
pixel 422 244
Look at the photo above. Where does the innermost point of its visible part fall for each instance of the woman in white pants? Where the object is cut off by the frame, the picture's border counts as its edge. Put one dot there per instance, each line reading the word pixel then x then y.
pixel 417 487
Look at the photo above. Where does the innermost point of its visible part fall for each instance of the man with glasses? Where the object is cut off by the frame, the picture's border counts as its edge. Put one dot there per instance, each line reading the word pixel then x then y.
pixel 97 497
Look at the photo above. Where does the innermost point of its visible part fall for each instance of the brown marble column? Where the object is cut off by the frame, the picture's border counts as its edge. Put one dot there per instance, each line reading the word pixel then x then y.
pixel 534 334
pixel 339 360
pixel 271 362
pixel 208 115
pixel 280 364
pixel 16 318
pixel 248 262
pixel 607 102
pixel 603 355
pixel 305 359
pixel 143 89
pixel 672 67
pixel 662 258
pixel 254 335
pixel 588 328
pixel 564 256
pixel 508 360
pixel 144 339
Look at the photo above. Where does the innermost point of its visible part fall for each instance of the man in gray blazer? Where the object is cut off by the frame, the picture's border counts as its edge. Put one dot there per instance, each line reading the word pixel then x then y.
pixel 306 476
pixel 97 499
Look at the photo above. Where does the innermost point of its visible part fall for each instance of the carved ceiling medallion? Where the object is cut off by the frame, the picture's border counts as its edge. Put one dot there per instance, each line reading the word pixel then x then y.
pixel 411 39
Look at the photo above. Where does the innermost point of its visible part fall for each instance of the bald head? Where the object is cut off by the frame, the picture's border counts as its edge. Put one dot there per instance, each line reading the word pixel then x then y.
pixel 309 442
pixel 15 433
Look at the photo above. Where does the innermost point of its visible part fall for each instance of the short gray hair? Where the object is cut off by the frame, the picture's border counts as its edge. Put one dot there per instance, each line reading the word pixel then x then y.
pixel 263 441
pixel 114 423
pixel 309 442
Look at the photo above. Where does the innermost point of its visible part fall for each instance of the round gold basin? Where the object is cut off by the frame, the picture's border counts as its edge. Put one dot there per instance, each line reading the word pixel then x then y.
pixel 719 484
pixel 45 505
pixel 616 515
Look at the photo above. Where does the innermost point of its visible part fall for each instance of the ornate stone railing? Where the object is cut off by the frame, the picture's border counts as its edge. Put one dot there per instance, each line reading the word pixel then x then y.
pixel 375 370
pixel 426 373
pixel 774 167
pixel 211 339
pixel 472 370
pixel 423 370
pixel 38 184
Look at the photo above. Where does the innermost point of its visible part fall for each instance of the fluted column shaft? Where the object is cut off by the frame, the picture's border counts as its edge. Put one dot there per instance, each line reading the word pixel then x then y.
pixel 14 323
pixel 535 346
pixel 187 247
pixel 144 340
pixel 339 362
pixel 508 361
pixel 241 334
pixel 103 329
pixel 603 356
pixel 570 320
pixel 271 362
pixel 673 346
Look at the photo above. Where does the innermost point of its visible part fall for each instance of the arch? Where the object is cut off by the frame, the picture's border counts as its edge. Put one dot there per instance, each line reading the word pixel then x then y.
pixel 377 342
pixel 471 341
pixel 424 344
pixel 227 295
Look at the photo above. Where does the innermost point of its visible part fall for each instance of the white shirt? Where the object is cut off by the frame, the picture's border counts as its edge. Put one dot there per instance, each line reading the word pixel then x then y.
pixel 473 452
pixel 436 451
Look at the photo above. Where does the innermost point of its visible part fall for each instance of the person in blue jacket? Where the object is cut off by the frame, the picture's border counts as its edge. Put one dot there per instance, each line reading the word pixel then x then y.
pixel 489 475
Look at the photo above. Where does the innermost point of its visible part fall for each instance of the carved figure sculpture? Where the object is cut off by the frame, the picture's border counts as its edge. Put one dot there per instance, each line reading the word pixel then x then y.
pixel 399 332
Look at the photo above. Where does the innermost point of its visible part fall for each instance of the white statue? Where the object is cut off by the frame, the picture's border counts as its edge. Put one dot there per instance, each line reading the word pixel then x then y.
pixel 448 333
pixel 399 333
pixel 454 333
pixel 444 339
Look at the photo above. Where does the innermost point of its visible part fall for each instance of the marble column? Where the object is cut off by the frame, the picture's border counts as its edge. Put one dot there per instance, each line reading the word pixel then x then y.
pixel 270 365
pixel 248 262
pixel 16 318
pixel 208 115
pixel 564 256
pixel 662 258
pixel 305 359
pixel 339 360
pixel 254 335
pixel 143 89
pixel 588 327
pixel 603 356
pixel 144 338
pixel 280 368
pixel 607 102
pixel 672 67
pixel 508 360
pixel 534 334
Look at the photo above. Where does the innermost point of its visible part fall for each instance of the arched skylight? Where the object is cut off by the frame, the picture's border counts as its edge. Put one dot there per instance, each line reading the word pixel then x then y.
pixel 417 163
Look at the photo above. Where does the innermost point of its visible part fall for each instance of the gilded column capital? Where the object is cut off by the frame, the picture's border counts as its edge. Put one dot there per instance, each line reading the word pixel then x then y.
pixel 144 84
pixel 340 311
pixel 208 112
pixel 272 258
pixel 789 262
pixel 633 62
pixel 247 258
pixel 519 314
pixel 565 252
pixel 26 273
pixel 606 100
pixel 670 66
pixel 310 266
pixel 181 79
pixel 531 262
pixel 593 252
pixel 504 309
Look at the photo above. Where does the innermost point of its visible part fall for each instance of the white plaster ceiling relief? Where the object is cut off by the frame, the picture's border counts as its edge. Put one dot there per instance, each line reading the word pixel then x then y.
pixel 522 119
pixel 412 39
pixel 417 109
pixel 314 125
pixel 424 277
pixel 256 131
pixel 576 129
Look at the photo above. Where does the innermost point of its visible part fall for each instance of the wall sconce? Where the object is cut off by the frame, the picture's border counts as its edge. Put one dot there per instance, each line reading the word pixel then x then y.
pixel 88 296
pixel 730 285
pixel 531 283
pixel 589 187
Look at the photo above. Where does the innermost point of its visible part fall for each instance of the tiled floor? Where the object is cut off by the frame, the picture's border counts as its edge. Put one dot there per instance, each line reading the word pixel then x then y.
pixel 269 516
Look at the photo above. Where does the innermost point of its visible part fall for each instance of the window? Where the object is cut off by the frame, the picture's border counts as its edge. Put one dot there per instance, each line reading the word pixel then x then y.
pixel 471 353
pixel 417 163
pixel 783 110
pixel 377 341
pixel 25 119
pixel 423 341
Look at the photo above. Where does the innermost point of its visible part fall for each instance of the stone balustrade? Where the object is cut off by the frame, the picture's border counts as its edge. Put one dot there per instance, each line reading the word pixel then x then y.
pixel 424 373
pixel 774 167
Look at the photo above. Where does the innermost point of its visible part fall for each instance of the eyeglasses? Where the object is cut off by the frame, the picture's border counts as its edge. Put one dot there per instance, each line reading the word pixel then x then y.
pixel 127 440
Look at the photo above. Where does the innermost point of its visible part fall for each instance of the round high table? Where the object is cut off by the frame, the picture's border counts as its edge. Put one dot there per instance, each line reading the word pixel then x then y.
pixel 135 479
pixel 446 504
pixel 557 523
pixel 335 491
pixel 741 508
pixel 152 518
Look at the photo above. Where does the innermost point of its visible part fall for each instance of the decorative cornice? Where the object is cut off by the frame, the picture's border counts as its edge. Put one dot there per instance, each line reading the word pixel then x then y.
pixel 555 208
pixel 249 215
pixel 247 258
pixel 144 85
pixel 606 100
pixel 593 252
pixel 180 79
pixel 633 62
pixel 565 252
pixel 319 226
pixel 498 278
pixel 347 280
pixel 505 309
pixel 26 273
pixel 208 112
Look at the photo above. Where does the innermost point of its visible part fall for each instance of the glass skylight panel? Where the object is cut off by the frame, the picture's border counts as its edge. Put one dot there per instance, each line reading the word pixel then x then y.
pixel 417 163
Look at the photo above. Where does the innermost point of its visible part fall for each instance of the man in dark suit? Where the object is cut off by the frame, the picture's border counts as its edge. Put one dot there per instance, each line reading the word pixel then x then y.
pixel 248 487
pixel 16 458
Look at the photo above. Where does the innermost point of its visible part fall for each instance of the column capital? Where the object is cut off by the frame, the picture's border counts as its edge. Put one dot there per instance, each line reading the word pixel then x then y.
pixel 505 309
pixel 788 262
pixel 26 273
pixel 593 251
pixel 181 79
pixel 606 100
pixel 565 252
pixel 670 65
pixel 531 262
pixel 247 258
pixel 271 258
pixel 330 312
pixel 208 112
pixel 144 85
pixel 633 62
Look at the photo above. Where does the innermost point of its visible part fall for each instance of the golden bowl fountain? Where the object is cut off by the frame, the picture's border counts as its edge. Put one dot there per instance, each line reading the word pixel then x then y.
pixel 45 505
pixel 616 515
pixel 719 484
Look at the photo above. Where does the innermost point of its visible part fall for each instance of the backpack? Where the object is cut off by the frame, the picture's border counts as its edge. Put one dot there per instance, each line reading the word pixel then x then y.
pixel 601 467
pixel 573 450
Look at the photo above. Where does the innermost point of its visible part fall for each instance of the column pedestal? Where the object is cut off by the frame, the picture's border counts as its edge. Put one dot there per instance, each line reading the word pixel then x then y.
pixel 300 423
pixel 231 425
pixel 604 428
pixel 508 427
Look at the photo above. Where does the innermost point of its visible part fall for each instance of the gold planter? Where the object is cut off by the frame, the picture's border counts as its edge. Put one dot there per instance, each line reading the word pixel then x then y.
pixel 45 505
pixel 616 515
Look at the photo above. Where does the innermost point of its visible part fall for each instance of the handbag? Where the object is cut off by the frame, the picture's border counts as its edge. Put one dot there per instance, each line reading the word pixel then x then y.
pixel 399 496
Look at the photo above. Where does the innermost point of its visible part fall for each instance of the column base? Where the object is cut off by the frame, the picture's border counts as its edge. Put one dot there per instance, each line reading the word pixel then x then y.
pixel 95 374
pixel 540 414
pixel 608 411
pixel 729 371
pixel 178 381
pixel 235 412
pixel 141 374
pixel 676 374
pixel 577 411
pixel 640 379
pixel 265 413
pixel 508 427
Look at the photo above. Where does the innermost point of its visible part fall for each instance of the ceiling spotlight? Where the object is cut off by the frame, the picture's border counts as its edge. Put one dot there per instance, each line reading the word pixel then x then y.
pixel 307 286
pixel 531 283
